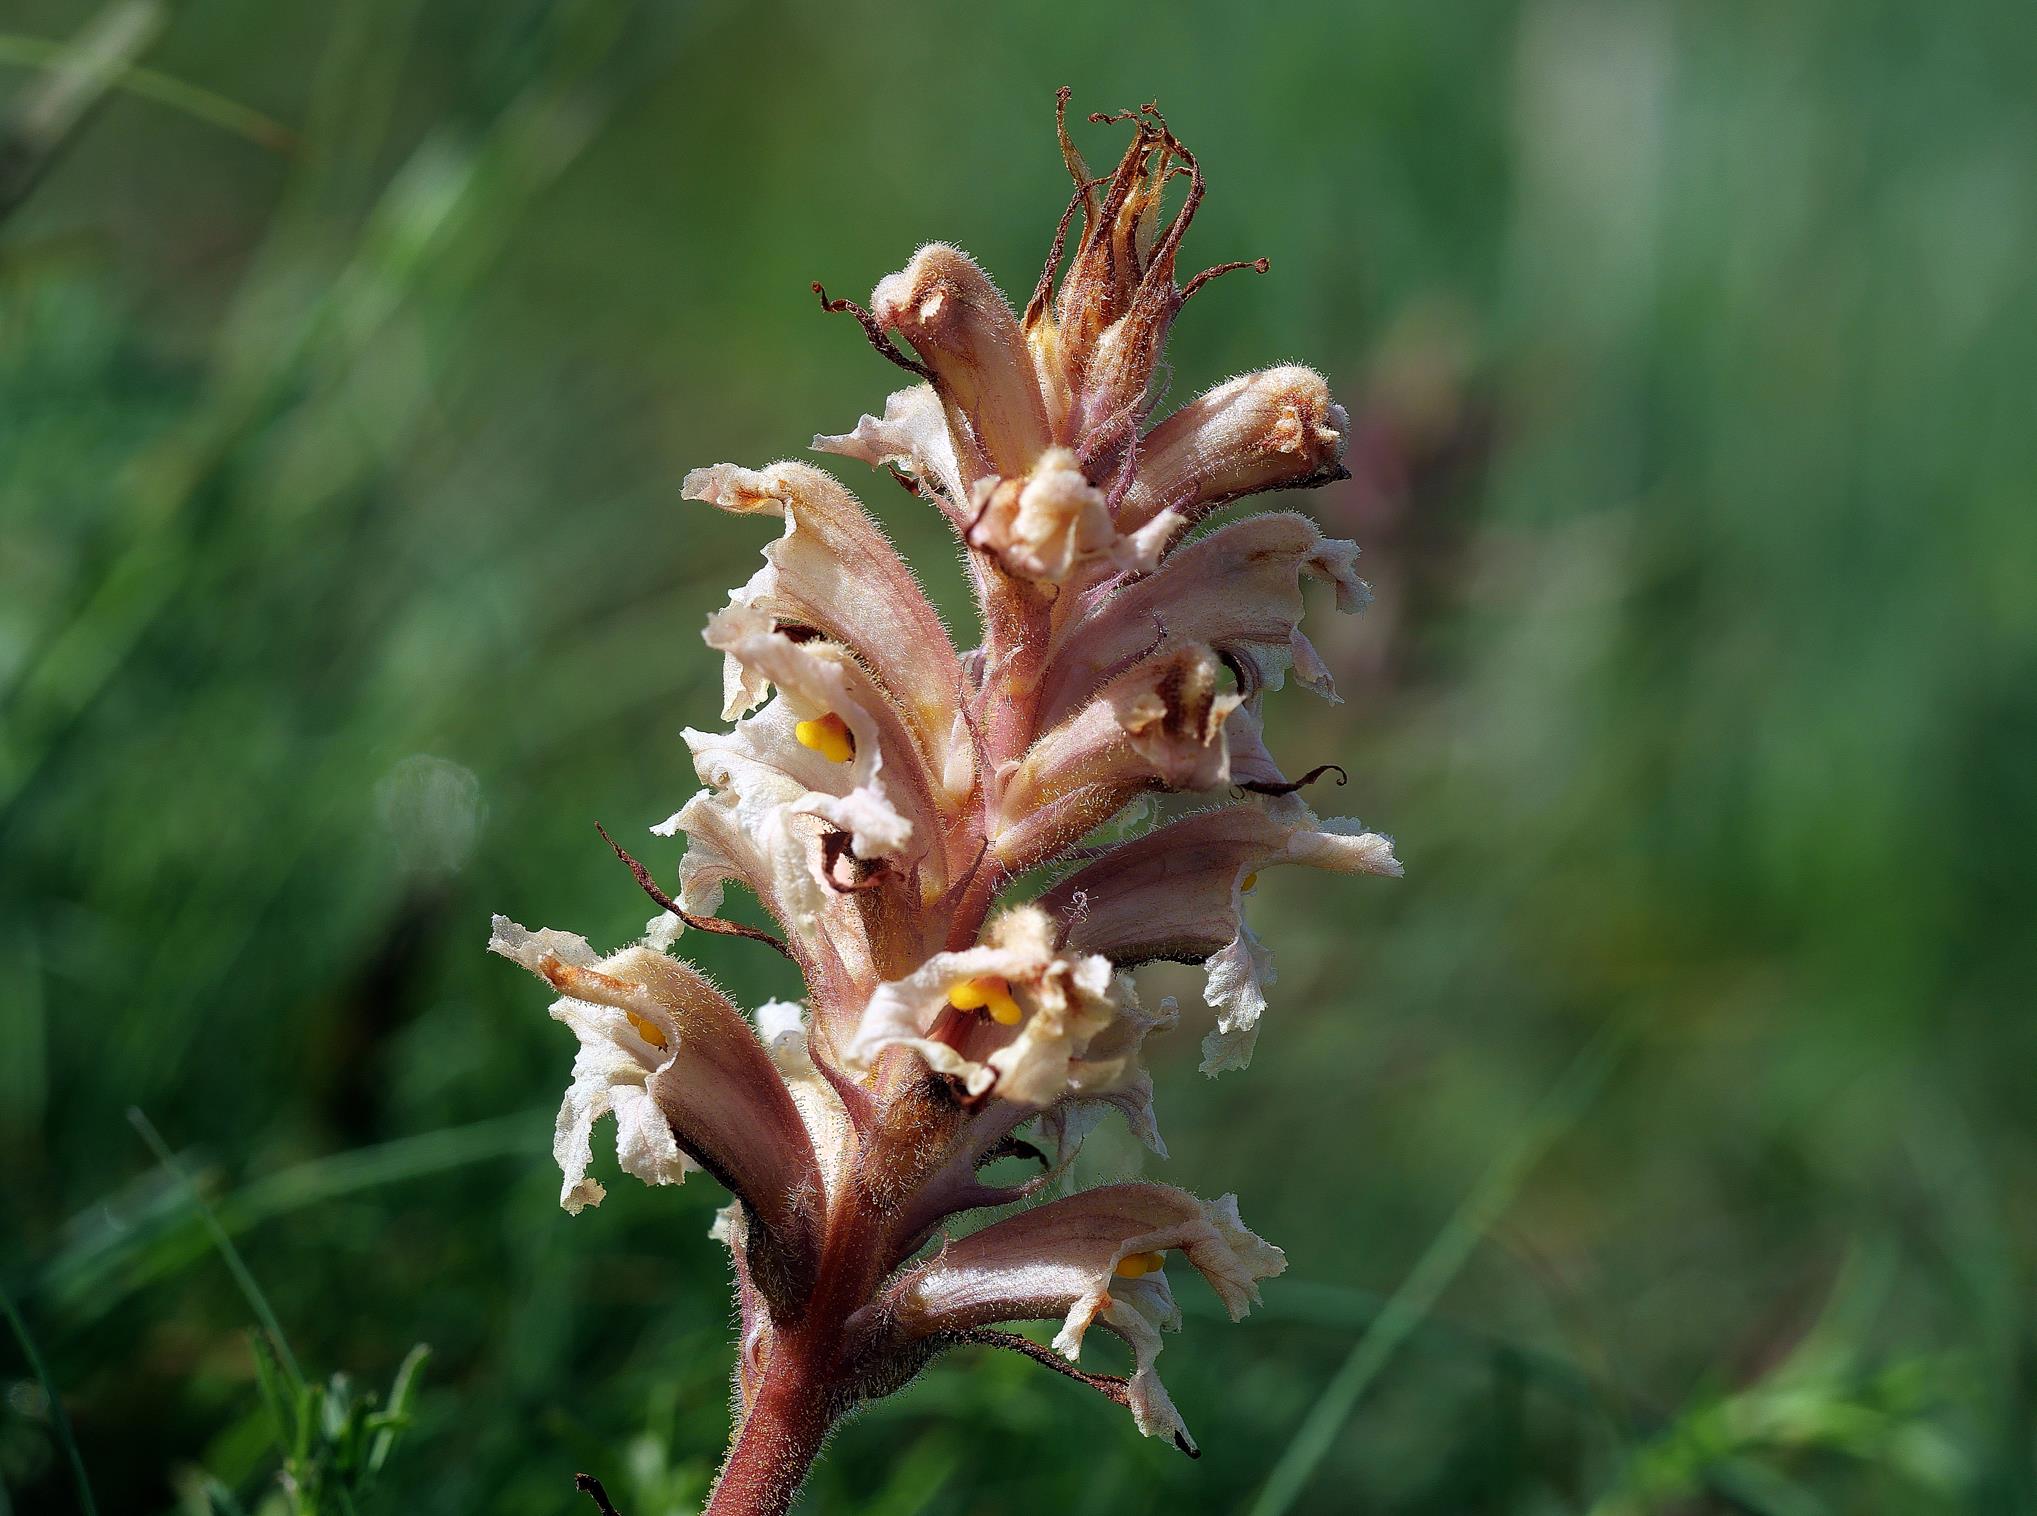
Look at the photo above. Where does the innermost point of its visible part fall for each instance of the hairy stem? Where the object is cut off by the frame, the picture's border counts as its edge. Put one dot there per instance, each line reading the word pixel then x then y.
pixel 776 1444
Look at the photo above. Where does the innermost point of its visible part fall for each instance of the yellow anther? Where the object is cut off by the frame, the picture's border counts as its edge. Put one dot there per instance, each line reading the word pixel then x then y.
pixel 1138 1265
pixel 648 1030
pixel 827 735
pixel 1249 883
pixel 989 993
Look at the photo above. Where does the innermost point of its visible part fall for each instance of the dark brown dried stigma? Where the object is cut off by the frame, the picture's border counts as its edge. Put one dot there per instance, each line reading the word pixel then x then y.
pixel 875 333
pixel 1266 787
pixel 1010 1146
pixel 1111 1386
pixel 1257 265
pixel 701 923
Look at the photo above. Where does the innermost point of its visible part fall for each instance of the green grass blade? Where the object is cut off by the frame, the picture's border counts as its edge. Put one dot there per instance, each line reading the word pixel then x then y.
pixel 1340 1308
pixel 221 1499
pixel 41 123
pixel 59 1417
pixel 229 1254
pixel 88 1277
pixel 1433 1271
pixel 175 94
pixel 395 1417
pixel 285 1405
pixel 449 208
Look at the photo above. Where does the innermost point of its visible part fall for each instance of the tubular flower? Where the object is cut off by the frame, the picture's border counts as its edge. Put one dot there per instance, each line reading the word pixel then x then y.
pixel 884 796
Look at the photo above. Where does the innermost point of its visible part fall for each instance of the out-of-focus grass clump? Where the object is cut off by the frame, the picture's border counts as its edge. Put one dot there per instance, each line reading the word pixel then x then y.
pixel 1662 1143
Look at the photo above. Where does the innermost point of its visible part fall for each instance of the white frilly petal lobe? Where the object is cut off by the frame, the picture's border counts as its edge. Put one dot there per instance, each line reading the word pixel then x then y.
pixel 913 433
pixel 783 1027
pixel 1234 986
pixel 611 1076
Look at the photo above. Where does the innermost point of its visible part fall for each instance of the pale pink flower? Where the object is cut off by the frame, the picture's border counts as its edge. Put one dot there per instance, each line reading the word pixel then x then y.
pixel 881 794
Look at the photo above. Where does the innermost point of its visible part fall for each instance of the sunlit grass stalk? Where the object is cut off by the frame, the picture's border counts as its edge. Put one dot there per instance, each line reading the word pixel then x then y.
pixel 60 1419
pixel 1439 1263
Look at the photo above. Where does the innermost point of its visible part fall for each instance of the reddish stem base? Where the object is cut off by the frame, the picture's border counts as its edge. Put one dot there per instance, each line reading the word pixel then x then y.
pixel 776 1444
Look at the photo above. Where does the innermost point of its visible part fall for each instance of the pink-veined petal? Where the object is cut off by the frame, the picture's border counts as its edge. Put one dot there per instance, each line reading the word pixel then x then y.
pixel 749 828
pixel 1237 590
pixel 913 435
pixel 1039 526
pixel 612 1071
pixel 961 326
pixel 834 571
pixel 1060 1261
pixel 1178 893
pixel 884 795
pixel 1277 429
pixel 1159 724
pixel 761 825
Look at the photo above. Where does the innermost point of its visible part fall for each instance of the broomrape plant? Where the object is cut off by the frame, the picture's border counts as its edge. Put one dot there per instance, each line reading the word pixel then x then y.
pixel 884 795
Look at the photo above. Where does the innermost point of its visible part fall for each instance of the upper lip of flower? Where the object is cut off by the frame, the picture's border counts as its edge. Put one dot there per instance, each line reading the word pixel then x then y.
pixel 835 572
pixel 1236 590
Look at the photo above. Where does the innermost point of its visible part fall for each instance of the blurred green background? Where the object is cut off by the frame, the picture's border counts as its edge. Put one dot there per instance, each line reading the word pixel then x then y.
pixel 1662 1143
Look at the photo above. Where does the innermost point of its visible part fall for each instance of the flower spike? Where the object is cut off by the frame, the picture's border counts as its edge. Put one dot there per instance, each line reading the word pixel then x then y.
pixel 892 804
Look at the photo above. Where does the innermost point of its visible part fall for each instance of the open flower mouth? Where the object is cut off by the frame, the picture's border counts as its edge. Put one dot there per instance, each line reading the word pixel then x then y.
pixel 882 794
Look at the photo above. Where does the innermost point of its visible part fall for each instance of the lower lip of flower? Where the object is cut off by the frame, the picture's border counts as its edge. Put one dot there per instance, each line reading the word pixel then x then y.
pixel 827 735
pixel 648 1030
pixel 989 993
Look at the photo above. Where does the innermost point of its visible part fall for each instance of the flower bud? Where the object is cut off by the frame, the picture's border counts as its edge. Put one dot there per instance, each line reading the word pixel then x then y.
pixel 959 324
pixel 1276 429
